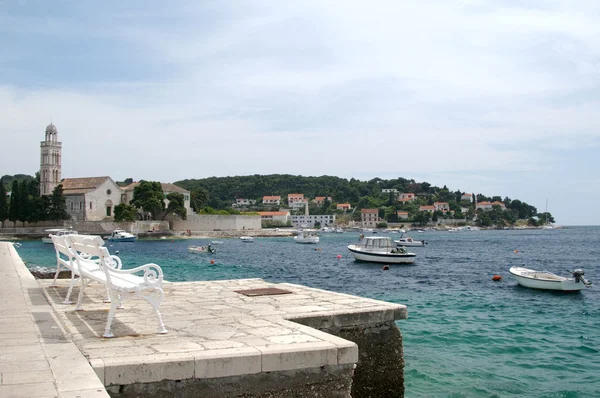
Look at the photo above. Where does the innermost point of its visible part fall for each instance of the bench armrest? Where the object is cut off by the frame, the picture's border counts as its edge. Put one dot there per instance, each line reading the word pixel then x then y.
pixel 153 274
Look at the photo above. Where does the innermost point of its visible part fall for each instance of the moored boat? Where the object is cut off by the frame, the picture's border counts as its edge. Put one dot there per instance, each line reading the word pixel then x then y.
pixel 546 280
pixel 57 232
pixel 202 249
pixel 306 237
pixel 119 235
pixel 247 239
pixel 408 241
pixel 375 249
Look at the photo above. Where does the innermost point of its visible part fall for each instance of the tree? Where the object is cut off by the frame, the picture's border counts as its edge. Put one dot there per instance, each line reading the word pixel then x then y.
pixel 198 198
pixel 176 205
pixel 149 196
pixel 3 204
pixel 24 203
pixel 125 212
pixel 58 205
pixel 13 211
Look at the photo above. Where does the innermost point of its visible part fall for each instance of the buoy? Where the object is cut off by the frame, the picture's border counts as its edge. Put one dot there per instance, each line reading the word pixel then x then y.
pixel 117 252
pixel 386 267
pixel 516 251
pixel 339 256
pixel 212 261
pixel 496 278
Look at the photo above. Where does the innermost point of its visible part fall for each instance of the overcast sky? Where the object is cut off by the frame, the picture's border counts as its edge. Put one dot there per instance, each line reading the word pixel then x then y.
pixel 498 97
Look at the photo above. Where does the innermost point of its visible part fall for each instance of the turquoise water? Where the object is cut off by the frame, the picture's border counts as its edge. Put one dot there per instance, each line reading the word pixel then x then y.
pixel 466 335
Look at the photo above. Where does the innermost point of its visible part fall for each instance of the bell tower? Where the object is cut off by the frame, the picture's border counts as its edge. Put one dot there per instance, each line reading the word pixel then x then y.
pixel 50 161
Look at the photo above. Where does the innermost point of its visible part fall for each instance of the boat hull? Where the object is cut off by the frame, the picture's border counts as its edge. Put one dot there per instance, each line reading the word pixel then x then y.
pixel 307 241
pixel 380 257
pixel 47 240
pixel 128 239
pixel 545 281
pixel 410 244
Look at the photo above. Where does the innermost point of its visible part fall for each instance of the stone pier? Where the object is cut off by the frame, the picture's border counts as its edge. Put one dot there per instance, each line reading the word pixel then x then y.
pixel 236 338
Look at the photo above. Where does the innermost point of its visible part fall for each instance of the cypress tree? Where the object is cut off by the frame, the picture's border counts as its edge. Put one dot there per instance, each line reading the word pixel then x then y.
pixel 58 205
pixel 13 211
pixel 3 203
pixel 24 202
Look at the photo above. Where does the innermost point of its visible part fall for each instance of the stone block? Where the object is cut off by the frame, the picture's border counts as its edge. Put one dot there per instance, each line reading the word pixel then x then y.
pixel 298 356
pixel 227 362
pixel 148 368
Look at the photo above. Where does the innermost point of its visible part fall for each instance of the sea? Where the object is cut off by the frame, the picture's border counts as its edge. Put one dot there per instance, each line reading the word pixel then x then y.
pixel 466 335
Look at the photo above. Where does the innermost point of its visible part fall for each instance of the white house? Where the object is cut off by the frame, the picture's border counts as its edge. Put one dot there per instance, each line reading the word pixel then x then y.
pixel 344 206
pixel 319 200
pixel 91 199
pixel 272 200
pixel 241 202
pixel 441 206
pixel 388 190
pixel 489 205
pixel 309 220
pixel 467 196
pixel 299 204
pixel 430 209
pixel 406 197
pixel 295 197
pixel 403 215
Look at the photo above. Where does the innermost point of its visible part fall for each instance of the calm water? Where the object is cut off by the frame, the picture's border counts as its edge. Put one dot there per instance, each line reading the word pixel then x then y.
pixel 466 335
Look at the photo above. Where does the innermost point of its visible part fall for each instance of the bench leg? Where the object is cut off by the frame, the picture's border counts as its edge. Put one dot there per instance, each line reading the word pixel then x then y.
pixel 80 298
pixel 58 268
pixel 155 298
pixel 111 315
pixel 68 296
pixel 108 296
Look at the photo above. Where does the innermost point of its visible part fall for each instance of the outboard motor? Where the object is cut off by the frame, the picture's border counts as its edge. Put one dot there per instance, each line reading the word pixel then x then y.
pixel 578 275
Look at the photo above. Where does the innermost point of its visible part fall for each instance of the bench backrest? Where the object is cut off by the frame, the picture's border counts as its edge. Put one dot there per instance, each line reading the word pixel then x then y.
pixel 92 246
pixel 64 254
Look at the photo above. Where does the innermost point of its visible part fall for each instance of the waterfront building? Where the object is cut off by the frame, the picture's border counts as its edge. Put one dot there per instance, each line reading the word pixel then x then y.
pixel 92 198
pixel 309 220
pixel 369 217
pixel 280 216
pixel 50 161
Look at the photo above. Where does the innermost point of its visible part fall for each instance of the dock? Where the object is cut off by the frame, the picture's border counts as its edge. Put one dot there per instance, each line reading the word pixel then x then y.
pixel 228 338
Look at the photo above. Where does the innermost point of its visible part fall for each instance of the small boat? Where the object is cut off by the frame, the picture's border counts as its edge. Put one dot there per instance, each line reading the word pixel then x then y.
pixel 119 235
pixel 381 250
pixel 57 232
pixel 546 280
pixel 247 239
pixel 202 249
pixel 408 241
pixel 306 237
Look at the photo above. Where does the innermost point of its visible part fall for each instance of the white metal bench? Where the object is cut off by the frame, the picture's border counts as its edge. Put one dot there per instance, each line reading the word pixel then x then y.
pixel 65 260
pixel 120 282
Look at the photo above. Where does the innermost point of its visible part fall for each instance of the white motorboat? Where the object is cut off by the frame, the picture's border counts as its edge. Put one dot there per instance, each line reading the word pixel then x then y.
pixel 381 250
pixel 408 241
pixel 119 235
pixel 247 239
pixel 202 249
pixel 306 237
pixel 57 232
pixel 546 280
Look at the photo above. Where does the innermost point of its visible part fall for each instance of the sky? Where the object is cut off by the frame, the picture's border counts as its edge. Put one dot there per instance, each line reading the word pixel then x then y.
pixel 499 97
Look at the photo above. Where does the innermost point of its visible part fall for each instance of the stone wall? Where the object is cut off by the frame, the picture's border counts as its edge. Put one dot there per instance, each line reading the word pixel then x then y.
pixel 323 382
pixel 197 222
